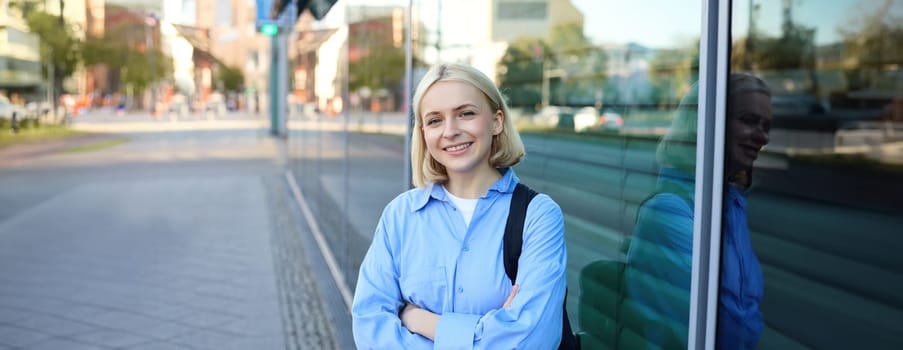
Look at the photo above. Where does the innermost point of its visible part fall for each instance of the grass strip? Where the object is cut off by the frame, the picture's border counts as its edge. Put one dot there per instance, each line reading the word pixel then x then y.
pixel 91 147
pixel 43 133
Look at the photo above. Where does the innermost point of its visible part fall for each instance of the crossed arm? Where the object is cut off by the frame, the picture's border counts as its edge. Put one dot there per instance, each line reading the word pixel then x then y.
pixel 424 322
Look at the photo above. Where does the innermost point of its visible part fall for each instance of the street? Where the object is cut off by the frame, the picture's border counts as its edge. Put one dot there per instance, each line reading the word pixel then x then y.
pixel 178 237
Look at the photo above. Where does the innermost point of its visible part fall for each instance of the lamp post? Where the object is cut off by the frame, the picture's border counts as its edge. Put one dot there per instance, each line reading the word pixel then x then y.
pixel 546 75
pixel 150 22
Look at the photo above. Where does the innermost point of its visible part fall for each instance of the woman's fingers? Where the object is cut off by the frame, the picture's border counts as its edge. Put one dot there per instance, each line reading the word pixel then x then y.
pixel 510 297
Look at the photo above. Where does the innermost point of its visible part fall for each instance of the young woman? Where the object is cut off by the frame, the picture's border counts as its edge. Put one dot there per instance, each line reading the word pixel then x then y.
pixel 434 275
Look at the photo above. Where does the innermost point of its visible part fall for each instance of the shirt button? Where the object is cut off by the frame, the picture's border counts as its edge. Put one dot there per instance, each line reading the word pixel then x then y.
pixel 460 290
pixel 466 248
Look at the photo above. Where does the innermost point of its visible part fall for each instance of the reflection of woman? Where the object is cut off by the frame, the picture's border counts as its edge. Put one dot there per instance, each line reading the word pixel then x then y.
pixel 661 247
pixel 434 274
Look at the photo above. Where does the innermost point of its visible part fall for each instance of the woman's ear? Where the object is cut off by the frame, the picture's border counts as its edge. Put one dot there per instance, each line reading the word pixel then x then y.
pixel 499 124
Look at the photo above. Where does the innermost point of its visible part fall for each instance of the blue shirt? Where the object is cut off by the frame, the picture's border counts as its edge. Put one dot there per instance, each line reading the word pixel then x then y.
pixel 423 253
pixel 662 247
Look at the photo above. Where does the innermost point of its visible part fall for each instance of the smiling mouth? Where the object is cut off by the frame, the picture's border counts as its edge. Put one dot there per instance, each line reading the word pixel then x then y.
pixel 457 148
pixel 751 151
pixel 752 148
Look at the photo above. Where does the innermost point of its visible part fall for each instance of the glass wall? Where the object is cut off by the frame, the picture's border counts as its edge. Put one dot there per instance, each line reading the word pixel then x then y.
pixel 816 99
pixel 594 86
pixel 346 128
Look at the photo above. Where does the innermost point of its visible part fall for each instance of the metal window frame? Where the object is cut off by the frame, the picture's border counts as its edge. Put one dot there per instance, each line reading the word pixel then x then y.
pixel 706 265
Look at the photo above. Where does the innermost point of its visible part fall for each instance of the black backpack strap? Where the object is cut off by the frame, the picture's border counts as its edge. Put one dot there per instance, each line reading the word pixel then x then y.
pixel 514 228
pixel 513 242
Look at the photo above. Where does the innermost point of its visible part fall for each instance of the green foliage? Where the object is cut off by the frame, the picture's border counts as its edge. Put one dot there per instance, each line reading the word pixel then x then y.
pixel 875 47
pixel 671 72
pixel 520 72
pixel 137 69
pixel 230 78
pixel 579 65
pixel 380 66
pixel 583 62
pixel 58 43
pixel 122 50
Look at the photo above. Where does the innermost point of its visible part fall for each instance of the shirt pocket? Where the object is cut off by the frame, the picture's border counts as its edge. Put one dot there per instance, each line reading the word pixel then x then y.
pixel 425 287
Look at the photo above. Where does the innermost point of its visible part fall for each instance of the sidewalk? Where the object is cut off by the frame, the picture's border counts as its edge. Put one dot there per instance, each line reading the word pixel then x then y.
pixel 174 254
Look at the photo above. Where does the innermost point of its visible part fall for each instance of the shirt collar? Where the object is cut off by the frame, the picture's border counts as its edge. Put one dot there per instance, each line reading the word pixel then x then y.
pixel 505 184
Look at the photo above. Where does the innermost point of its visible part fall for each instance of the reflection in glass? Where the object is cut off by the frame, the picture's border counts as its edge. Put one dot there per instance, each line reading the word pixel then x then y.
pixel 657 275
pixel 824 207
pixel 740 292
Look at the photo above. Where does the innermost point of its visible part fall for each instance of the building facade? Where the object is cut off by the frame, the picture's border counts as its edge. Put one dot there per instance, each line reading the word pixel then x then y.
pixel 20 57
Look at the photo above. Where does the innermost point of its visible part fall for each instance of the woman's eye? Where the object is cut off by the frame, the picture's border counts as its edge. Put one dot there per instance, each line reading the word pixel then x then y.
pixel 469 113
pixel 433 121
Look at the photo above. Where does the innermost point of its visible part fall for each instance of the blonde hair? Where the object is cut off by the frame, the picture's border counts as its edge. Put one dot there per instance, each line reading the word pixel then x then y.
pixel 678 147
pixel 507 148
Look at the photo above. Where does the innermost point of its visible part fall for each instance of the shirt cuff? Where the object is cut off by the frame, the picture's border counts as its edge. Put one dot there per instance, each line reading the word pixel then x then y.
pixel 456 331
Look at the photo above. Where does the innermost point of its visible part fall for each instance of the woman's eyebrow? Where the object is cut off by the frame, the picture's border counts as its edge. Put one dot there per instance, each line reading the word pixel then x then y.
pixel 465 105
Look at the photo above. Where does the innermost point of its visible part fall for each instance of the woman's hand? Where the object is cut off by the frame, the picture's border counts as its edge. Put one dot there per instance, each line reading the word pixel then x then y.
pixel 507 303
pixel 419 321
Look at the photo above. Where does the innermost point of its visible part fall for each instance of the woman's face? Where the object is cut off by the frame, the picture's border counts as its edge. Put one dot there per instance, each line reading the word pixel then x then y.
pixel 749 121
pixel 458 126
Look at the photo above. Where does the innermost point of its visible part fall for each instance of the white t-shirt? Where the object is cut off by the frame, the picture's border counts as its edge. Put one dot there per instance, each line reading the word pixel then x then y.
pixel 464 205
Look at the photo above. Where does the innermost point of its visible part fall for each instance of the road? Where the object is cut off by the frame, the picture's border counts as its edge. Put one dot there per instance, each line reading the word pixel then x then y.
pixel 183 237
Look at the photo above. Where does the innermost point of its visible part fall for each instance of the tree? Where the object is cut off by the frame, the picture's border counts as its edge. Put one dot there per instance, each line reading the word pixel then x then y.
pixel 874 48
pixel 579 67
pixel 671 72
pixel 585 65
pixel 520 72
pixel 123 51
pixel 58 47
pixel 380 64
pixel 230 78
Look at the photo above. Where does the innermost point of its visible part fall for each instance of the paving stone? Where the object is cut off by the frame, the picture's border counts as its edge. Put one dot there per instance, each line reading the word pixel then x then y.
pixel 158 345
pixel 10 315
pixel 203 319
pixel 78 311
pixel 164 331
pixel 123 320
pixel 62 343
pixel 18 337
pixel 111 338
pixel 54 325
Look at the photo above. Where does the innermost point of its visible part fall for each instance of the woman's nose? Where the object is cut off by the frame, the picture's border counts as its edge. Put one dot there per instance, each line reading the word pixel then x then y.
pixel 761 135
pixel 451 128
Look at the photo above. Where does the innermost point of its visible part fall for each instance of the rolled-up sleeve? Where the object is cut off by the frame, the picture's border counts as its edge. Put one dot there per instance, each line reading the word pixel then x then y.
pixel 377 301
pixel 533 321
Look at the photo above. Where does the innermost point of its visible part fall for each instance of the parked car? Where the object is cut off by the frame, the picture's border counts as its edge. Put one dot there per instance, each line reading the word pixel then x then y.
pixel 610 120
pixel 589 118
pixel 8 109
pixel 585 119
pixel 555 117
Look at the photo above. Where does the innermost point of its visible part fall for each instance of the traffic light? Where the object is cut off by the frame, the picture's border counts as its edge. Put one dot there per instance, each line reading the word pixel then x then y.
pixel 318 8
pixel 269 29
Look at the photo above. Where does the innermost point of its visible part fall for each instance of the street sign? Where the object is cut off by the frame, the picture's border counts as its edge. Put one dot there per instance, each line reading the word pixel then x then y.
pixel 269 26
pixel 264 8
